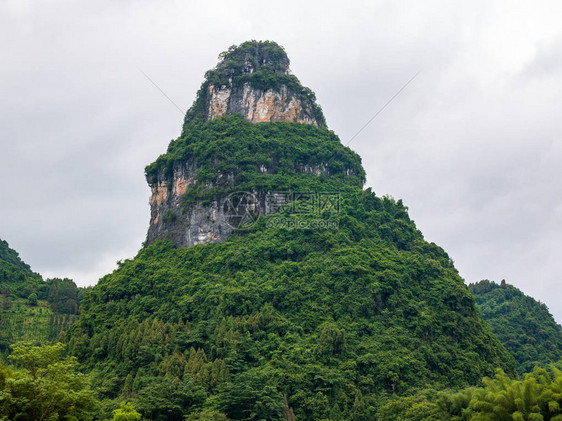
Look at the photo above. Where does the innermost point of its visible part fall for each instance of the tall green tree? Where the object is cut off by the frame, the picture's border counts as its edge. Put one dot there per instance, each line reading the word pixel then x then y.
pixel 42 384
pixel 126 412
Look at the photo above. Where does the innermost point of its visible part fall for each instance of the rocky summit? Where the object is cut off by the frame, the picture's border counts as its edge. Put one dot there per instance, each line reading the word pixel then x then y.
pixel 254 80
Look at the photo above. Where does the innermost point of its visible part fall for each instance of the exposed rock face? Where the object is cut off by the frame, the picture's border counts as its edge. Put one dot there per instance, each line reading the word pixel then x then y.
pixel 169 219
pixel 212 221
pixel 259 106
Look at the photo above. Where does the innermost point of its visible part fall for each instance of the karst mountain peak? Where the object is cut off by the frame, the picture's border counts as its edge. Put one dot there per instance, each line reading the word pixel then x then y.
pixel 253 79
pixel 253 129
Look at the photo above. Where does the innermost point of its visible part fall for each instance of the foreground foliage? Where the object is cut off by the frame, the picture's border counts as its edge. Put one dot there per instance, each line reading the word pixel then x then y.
pixel 43 385
pixel 537 396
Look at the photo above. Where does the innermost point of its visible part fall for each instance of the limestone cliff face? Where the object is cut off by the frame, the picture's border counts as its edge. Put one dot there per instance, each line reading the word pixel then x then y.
pixel 252 80
pixel 213 220
pixel 201 223
pixel 260 106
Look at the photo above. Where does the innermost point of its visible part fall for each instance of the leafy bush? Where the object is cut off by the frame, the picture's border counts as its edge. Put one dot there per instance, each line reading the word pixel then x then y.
pixel 126 412
pixel 535 396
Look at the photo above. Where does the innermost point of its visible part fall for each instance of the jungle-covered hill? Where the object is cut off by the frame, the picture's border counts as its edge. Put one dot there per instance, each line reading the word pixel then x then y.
pixel 523 324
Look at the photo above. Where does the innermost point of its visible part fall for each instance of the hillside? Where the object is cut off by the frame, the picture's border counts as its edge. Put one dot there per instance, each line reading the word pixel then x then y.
pixel 16 277
pixel 323 317
pixel 299 294
pixel 32 309
pixel 522 324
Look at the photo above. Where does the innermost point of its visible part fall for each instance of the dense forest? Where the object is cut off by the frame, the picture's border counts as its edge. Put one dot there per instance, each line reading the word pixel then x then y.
pixel 308 321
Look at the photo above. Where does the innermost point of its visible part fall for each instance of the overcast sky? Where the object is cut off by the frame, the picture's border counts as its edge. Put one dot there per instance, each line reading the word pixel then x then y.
pixel 473 145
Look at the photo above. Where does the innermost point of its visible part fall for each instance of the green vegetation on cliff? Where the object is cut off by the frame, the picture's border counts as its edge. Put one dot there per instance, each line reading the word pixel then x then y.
pixel 522 324
pixel 232 154
pixel 324 318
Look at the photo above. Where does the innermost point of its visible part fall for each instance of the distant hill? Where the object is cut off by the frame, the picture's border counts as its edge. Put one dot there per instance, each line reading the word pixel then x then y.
pixel 523 324
pixel 16 277
pixel 32 309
